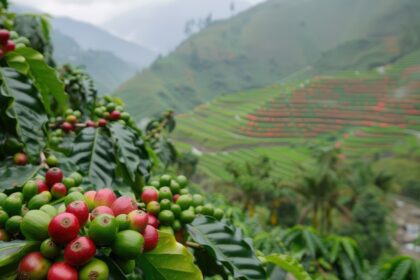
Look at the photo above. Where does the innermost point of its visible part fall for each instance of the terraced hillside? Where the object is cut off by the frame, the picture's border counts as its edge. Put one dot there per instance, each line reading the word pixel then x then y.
pixel 367 114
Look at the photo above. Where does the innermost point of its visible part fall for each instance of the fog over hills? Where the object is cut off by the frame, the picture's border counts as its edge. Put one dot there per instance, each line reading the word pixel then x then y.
pixel 161 27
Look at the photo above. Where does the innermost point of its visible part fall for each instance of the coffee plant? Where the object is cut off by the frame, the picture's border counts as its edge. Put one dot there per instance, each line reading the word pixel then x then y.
pixel 81 194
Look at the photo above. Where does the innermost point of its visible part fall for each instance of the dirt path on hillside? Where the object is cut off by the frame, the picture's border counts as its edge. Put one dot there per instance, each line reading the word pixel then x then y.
pixel 407 217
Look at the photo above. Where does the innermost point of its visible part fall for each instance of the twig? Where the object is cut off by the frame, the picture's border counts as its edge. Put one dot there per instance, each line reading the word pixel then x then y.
pixel 193 245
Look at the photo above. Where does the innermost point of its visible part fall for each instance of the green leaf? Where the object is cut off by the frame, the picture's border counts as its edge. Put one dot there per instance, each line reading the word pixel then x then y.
pixel 131 151
pixel 348 247
pixel 399 268
pixel 310 243
pixel 23 110
pixel 45 26
pixel 4 3
pixel 12 252
pixel 402 270
pixel 415 268
pixel 289 264
pixel 168 261
pixel 93 154
pixel 14 176
pixel 335 247
pixel 165 150
pixel 17 62
pixel 115 272
pixel 228 246
pixel 45 77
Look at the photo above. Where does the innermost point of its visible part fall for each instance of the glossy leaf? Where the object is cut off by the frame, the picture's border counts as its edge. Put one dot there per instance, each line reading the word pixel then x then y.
pixel 228 246
pixel 165 150
pixel 45 78
pixel 11 253
pixel 115 272
pixel 290 265
pixel 131 151
pixel 169 261
pixel 14 176
pixel 93 154
pixel 24 111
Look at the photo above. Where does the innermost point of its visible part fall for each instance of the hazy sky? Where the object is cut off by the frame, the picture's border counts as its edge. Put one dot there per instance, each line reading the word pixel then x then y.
pixel 93 11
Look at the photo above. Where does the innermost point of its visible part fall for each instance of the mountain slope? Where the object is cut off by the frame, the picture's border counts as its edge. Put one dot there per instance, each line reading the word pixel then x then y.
pixel 258 47
pixel 164 35
pixel 106 69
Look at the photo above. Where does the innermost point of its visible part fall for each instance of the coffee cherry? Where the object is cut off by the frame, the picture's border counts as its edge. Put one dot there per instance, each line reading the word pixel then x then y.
pixel 128 244
pixel 90 123
pixel 149 194
pixel 102 122
pixel 42 186
pixel 153 221
pixel 33 266
pixel 71 119
pixel 100 210
pixel 79 251
pixel 52 161
pixel 63 227
pixel 138 220
pixel 4 36
pixel 49 249
pixel 62 271
pixel 53 175
pixel 20 159
pixel 58 190
pixel 105 197
pixel 123 205
pixel 10 46
pixel 103 230
pixel 151 238
pixel 115 115
pixel 80 210
pixel 67 127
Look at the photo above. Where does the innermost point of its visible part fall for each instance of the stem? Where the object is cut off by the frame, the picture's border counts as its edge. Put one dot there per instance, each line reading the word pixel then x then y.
pixel 43 160
pixel 193 245
pixel 162 125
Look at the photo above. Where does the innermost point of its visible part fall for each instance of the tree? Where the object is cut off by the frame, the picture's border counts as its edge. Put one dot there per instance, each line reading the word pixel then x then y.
pixel 254 179
pixel 320 188
pixel 370 225
pixel 232 8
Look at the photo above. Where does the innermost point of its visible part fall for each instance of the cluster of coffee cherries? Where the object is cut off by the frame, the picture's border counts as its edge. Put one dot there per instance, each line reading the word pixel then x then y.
pixel 64 125
pixel 38 193
pixel 72 226
pixel 6 45
pixel 106 110
pixel 171 205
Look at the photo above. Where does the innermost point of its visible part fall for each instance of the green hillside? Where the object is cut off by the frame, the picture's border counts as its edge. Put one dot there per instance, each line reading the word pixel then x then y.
pixel 370 115
pixel 263 46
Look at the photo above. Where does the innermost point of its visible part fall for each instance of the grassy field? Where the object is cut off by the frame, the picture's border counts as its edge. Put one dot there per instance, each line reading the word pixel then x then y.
pixel 369 115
